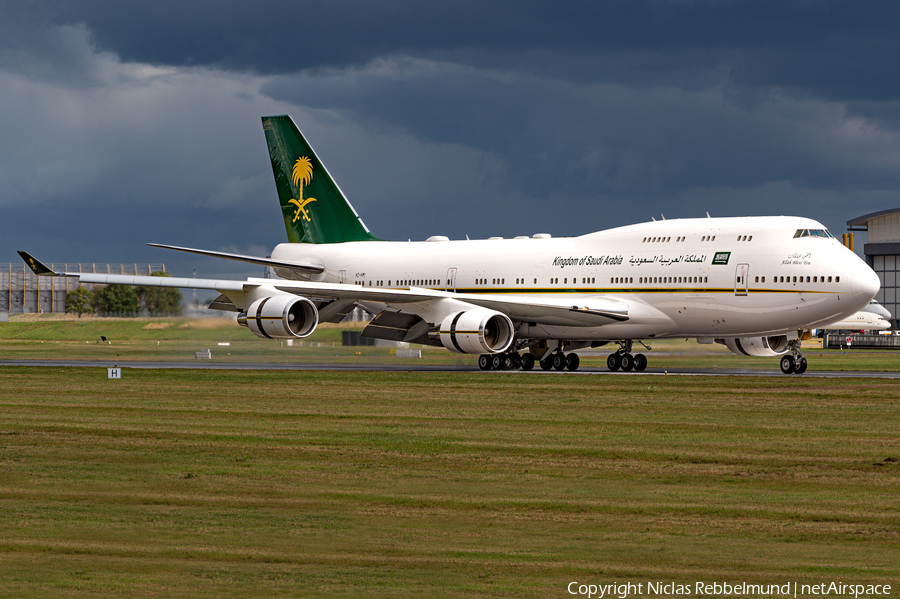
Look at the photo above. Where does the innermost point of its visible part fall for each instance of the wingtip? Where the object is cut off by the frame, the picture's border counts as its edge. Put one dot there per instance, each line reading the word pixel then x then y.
pixel 34 264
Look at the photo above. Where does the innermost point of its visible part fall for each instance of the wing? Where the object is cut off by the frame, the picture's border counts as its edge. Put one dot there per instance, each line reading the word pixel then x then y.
pixel 221 285
pixel 431 304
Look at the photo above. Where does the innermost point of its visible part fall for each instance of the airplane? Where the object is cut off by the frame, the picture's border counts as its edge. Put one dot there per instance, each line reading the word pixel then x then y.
pixel 864 320
pixel 758 285
pixel 877 308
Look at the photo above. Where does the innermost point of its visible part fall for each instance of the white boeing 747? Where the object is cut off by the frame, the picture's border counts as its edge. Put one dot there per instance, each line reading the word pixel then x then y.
pixel 863 320
pixel 756 284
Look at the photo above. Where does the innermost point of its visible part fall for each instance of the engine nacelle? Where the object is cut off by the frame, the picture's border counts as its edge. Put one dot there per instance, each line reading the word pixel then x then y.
pixel 281 317
pixel 757 346
pixel 477 332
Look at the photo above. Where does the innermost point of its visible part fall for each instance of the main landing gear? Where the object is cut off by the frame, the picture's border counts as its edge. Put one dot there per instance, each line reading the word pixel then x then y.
pixel 514 361
pixel 624 360
pixel 508 361
pixel 560 361
pixel 794 362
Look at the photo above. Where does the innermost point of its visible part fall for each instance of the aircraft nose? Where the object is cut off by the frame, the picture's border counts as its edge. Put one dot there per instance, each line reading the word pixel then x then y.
pixel 865 284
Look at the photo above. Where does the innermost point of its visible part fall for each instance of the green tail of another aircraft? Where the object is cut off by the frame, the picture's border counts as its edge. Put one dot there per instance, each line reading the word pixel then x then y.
pixel 314 207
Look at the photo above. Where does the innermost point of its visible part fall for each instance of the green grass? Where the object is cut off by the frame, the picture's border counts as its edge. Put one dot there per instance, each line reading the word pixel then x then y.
pixel 144 339
pixel 209 483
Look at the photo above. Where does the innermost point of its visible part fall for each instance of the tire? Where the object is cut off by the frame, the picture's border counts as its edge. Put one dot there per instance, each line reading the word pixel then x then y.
pixel 627 362
pixel 801 366
pixel 497 362
pixel 546 364
pixel 527 362
pixel 559 361
pixel 484 362
pixel 787 364
pixel 572 362
pixel 516 360
pixel 640 362
pixel 614 362
pixel 508 363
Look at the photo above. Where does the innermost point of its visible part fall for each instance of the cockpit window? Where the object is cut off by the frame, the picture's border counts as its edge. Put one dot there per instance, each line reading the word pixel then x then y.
pixel 825 233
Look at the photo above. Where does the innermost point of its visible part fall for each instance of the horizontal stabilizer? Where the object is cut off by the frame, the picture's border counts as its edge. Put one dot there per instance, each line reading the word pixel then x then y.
pixel 306 268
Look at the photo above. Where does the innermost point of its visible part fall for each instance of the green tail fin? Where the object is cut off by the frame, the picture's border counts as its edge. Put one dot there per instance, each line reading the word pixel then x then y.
pixel 314 207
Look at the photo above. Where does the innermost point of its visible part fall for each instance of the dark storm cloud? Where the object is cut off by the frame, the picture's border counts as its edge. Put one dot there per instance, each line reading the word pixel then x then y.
pixel 559 136
pixel 133 122
pixel 841 50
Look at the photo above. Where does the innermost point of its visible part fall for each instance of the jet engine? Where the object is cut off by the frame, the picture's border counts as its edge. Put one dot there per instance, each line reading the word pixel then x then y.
pixel 281 317
pixel 477 332
pixel 757 346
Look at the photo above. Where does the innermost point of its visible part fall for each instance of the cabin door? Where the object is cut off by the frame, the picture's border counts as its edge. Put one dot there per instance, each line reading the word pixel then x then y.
pixel 451 279
pixel 741 279
pixel 342 276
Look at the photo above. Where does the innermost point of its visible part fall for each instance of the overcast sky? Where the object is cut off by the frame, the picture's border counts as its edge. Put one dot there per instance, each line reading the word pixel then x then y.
pixel 131 122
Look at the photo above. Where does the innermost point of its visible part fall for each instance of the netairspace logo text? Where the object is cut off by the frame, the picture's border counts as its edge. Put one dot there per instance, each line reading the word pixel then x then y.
pixel 721 589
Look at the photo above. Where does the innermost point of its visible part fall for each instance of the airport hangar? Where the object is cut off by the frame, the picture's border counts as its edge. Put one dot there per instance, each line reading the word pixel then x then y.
pixel 882 253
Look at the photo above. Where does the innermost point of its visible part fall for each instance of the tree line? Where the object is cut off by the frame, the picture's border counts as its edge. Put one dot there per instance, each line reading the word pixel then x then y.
pixel 125 299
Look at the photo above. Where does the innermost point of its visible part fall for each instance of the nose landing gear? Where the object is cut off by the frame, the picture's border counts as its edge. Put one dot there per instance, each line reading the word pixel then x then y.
pixel 794 362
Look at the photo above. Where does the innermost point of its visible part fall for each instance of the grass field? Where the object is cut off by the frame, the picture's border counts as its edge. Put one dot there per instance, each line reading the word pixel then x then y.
pixel 180 339
pixel 240 484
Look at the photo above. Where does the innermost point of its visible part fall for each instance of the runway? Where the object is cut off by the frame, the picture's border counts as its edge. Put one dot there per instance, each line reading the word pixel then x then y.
pixel 202 365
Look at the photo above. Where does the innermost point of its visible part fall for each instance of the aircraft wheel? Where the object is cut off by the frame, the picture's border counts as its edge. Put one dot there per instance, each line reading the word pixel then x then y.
pixel 516 360
pixel 508 363
pixel 640 362
pixel 572 362
pixel 484 362
pixel 614 362
pixel 787 364
pixel 547 364
pixel 627 362
pixel 497 362
pixel 801 366
pixel 527 362
pixel 559 361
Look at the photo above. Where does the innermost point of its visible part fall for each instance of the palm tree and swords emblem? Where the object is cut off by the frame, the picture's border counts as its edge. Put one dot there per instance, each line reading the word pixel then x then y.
pixel 302 175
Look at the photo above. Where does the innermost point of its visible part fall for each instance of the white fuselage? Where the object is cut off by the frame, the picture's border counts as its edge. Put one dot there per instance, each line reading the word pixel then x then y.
pixel 861 321
pixel 705 278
